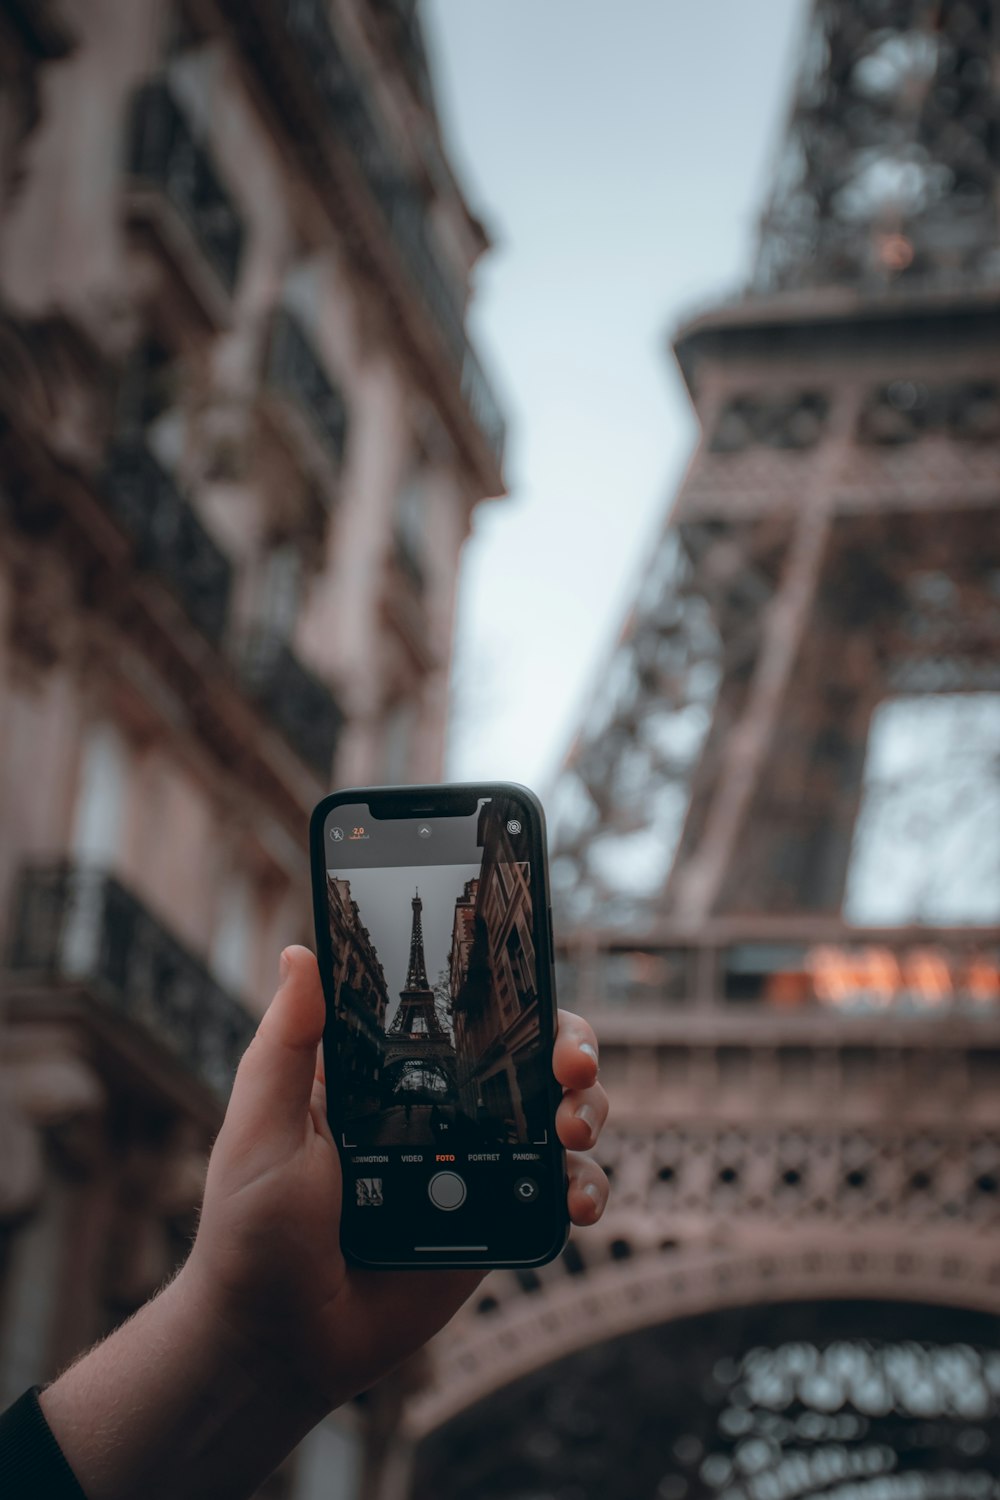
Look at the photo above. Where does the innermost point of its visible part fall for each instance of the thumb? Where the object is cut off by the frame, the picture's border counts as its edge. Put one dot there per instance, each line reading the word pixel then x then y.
pixel 274 1081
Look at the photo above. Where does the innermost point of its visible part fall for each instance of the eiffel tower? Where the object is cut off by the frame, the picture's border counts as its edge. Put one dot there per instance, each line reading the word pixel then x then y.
pixel 416 1033
pixel 788 940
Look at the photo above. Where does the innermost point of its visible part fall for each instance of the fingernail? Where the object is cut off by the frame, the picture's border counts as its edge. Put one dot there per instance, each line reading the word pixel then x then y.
pixel 589 1118
pixel 593 1192
pixel 284 964
pixel 589 1050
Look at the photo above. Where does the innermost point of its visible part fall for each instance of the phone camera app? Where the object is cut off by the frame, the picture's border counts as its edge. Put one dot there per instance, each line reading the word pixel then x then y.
pixel 437 996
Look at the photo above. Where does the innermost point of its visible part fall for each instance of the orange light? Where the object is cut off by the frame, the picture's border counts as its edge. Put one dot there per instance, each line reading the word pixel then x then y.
pixel 878 976
pixel 982 980
pixel 788 988
pixel 895 252
pixel 883 972
pixel 928 976
pixel 834 978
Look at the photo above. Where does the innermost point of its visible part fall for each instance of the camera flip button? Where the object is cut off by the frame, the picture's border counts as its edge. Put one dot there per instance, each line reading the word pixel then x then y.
pixel 446 1190
pixel 526 1190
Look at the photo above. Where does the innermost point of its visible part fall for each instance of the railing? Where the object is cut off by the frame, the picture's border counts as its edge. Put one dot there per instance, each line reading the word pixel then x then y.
pixel 354 119
pixel 164 154
pixel 169 538
pixel 80 925
pixel 296 372
pixel 483 404
pixel 835 968
pixel 300 705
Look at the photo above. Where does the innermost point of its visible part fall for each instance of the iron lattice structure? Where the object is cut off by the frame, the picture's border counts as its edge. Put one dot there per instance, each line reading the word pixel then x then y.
pixel 857 358
pixel 889 166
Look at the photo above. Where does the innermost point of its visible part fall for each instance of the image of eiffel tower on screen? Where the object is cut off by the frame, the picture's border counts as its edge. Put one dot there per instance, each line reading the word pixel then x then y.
pixel 436 1005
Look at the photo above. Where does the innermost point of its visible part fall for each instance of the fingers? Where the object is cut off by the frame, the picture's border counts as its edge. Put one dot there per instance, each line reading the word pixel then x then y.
pixel 574 1056
pixel 274 1081
pixel 581 1116
pixel 588 1189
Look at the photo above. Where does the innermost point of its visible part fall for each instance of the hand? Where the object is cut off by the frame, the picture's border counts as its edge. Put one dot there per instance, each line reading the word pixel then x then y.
pixel 266 1328
pixel 267 1261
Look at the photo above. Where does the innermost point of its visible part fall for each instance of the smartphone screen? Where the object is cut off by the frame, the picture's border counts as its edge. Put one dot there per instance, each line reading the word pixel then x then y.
pixel 435 950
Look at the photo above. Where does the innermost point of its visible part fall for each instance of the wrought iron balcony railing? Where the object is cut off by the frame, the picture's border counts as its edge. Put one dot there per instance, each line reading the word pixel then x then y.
pixel 164 154
pixel 295 371
pixel 170 540
pixel 300 705
pixel 80 926
pixel 355 120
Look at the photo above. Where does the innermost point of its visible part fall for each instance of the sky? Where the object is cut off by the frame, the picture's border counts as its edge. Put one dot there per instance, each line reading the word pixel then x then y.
pixel 926 842
pixel 619 154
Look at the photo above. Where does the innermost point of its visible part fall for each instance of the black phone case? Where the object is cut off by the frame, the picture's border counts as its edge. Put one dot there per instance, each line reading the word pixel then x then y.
pixel 413 801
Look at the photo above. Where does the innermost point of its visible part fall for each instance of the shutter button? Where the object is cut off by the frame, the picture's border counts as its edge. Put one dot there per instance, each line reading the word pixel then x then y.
pixel 446 1190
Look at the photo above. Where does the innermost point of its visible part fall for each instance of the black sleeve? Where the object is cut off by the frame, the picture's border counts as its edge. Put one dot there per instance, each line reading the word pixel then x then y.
pixel 31 1461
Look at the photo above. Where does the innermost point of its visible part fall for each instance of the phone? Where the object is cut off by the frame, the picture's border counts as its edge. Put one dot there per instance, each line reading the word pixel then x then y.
pixel 434 938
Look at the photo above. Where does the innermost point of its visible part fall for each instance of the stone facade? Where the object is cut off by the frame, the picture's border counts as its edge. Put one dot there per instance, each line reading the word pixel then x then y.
pixel 242 433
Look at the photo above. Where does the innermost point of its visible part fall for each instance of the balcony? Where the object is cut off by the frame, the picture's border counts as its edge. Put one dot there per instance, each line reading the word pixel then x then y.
pixel 167 162
pixel 405 602
pixel 317 58
pixel 169 539
pixel 82 930
pixel 42 33
pixel 483 405
pixel 295 374
pixel 297 702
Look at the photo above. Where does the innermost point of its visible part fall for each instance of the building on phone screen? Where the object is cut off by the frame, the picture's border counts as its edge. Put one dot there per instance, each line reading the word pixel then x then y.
pixel 494 992
pixel 243 431
pixel 360 1000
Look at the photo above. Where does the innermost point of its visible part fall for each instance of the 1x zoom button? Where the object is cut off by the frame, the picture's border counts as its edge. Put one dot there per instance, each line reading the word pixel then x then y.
pixel 446 1190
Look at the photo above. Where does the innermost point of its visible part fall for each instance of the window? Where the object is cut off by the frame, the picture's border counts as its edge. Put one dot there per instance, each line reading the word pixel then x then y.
pixel 100 804
pixel 281 591
pixel 411 527
pixel 149 404
pixel 235 932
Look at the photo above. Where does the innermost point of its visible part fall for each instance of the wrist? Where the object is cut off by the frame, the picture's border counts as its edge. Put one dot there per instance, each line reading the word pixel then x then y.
pixel 252 1354
pixel 172 1403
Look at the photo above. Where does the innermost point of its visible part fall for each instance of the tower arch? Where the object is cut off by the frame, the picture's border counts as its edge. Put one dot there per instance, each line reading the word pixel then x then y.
pixel 872 1398
pixel 501 1346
